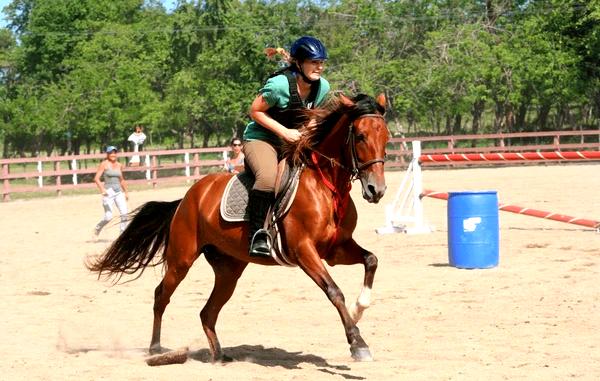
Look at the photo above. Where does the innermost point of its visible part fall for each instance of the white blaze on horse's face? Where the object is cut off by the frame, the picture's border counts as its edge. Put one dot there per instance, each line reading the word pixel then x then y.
pixel 371 137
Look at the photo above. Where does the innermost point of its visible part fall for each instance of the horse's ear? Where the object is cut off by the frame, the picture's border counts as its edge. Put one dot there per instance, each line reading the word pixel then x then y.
pixel 381 100
pixel 346 101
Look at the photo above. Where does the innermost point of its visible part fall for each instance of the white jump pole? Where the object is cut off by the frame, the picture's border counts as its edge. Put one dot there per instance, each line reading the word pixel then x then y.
pixel 74 167
pixel 186 159
pixel 147 163
pixel 40 179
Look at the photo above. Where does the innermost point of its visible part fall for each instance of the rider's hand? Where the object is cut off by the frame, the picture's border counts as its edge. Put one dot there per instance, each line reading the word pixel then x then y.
pixel 291 135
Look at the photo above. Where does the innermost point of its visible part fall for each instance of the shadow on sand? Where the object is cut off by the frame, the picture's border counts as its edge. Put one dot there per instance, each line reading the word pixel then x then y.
pixel 271 357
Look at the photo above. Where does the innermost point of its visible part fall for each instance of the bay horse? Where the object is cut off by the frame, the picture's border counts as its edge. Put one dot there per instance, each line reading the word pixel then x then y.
pixel 348 142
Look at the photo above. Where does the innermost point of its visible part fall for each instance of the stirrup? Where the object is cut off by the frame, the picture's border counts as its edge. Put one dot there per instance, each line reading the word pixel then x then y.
pixel 261 253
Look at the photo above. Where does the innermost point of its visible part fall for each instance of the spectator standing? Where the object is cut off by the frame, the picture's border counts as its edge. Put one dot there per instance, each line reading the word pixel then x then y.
pixel 137 139
pixel 113 190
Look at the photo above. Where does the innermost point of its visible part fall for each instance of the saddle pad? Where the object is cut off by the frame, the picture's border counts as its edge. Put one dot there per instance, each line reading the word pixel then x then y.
pixel 234 203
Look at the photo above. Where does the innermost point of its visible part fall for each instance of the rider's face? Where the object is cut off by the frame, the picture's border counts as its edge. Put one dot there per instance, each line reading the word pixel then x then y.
pixel 313 68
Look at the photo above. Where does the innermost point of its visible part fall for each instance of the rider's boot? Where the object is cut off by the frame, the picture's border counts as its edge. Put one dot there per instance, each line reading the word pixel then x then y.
pixel 258 206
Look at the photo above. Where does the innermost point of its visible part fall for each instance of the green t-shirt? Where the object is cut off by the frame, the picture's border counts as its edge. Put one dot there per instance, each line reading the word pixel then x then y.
pixel 276 92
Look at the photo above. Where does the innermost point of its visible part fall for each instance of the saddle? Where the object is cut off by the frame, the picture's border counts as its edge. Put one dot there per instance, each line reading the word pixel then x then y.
pixel 234 203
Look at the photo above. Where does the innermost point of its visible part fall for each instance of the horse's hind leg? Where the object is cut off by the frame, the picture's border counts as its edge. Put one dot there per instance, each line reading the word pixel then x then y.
pixel 351 253
pixel 181 253
pixel 227 272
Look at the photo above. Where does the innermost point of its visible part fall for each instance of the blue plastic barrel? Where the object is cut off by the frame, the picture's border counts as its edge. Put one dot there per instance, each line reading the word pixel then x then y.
pixel 473 229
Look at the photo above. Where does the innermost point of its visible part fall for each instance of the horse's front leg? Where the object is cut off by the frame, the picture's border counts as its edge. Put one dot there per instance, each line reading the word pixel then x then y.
pixel 351 253
pixel 311 263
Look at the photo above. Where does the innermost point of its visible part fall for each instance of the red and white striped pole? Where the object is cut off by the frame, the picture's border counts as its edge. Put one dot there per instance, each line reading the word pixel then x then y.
pixel 511 156
pixel 527 211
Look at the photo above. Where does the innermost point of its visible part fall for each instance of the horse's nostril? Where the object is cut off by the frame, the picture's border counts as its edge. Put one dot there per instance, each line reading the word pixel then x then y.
pixel 371 189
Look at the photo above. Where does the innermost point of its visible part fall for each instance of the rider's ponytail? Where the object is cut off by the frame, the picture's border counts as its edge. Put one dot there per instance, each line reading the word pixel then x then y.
pixel 273 52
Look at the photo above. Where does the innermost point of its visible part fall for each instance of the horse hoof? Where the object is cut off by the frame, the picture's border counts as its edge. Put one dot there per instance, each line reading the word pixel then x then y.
pixel 155 349
pixel 361 354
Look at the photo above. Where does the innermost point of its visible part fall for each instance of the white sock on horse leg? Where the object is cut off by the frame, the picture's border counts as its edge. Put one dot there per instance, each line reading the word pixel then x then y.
pixel 362 303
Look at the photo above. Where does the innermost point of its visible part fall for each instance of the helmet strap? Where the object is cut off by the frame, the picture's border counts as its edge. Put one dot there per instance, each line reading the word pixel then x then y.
pixel 304 76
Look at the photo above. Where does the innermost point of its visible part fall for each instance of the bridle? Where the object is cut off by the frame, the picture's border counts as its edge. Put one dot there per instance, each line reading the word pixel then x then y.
pixel 357 165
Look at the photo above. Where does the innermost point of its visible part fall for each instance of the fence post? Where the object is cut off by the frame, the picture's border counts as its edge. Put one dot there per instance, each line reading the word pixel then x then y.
pixel 74 167
pixel 450 145
pixel 58 182
pixel 401 155
pixel 6 186
pixel 154 172
pixel 40 178
pixel 196 165
pixel 147 164
pixel 186 159
pixel 557 142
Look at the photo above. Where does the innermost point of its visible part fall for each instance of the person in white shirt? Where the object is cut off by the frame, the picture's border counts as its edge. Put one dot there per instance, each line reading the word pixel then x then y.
pixel 137 139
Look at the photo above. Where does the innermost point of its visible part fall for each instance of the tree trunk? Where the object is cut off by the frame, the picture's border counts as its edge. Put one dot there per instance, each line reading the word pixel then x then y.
pixel 543 116
pixel 509 117
pixel 411 121
pixel 476 112
pixel 205 139
pixel 457 123
pixel 76 146
pixel 521 117
pixel 449 130
pixel 498 118
pixel 181 139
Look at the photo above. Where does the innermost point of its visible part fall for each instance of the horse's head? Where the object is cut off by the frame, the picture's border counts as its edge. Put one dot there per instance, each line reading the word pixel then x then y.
pixel 367 139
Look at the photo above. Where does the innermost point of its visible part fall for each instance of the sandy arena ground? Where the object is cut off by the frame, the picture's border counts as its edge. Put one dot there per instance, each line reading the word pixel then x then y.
pixel 535 317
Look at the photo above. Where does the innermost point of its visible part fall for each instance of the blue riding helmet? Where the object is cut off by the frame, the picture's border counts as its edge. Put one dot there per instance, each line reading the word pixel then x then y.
pixel 308 48
pixel 110 149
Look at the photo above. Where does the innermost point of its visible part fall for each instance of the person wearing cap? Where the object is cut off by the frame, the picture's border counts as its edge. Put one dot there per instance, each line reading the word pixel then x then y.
pixel 113 189
pixel 276 112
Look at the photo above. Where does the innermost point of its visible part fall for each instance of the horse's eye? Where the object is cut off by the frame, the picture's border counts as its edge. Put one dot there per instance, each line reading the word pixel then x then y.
pixel 360 138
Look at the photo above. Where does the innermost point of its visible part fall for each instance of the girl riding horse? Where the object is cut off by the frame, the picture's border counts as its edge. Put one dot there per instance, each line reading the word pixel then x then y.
pixel 347 142
pixel 276 113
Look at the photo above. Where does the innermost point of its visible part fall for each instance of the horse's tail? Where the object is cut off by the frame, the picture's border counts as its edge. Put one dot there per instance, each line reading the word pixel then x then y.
pixel 135 249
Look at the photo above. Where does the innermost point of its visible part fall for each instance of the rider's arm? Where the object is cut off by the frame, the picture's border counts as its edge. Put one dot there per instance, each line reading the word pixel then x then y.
pixel 258 112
